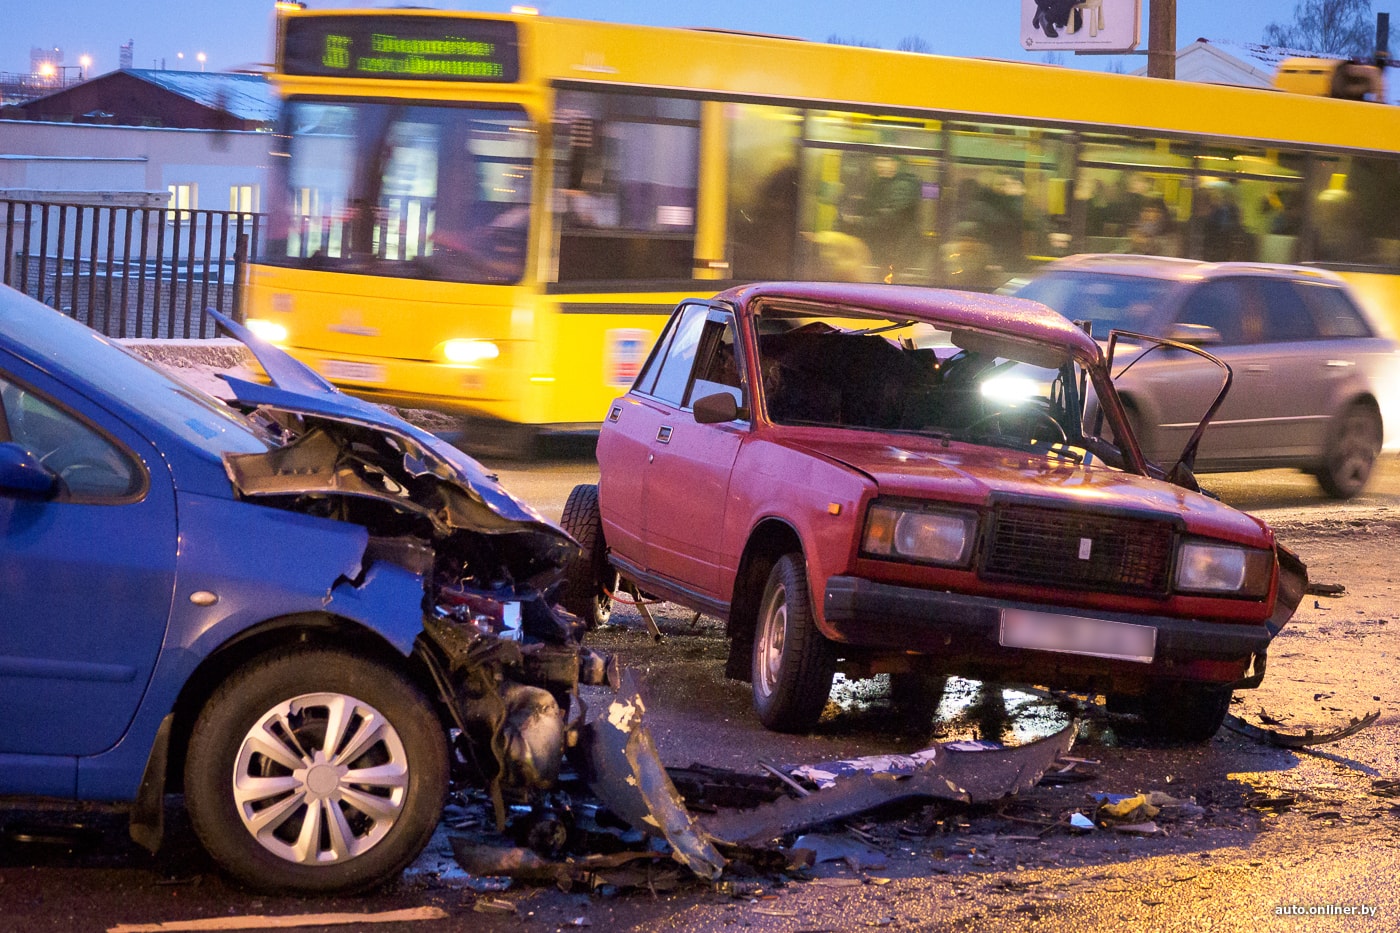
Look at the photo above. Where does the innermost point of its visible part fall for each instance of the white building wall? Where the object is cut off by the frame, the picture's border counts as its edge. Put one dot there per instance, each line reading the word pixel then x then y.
pixel 48 160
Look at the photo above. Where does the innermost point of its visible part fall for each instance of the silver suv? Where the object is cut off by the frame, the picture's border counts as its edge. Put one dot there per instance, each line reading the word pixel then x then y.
pixel 1315 387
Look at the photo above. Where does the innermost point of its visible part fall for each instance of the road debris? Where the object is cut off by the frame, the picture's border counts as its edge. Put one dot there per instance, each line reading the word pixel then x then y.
pixel 828 848
pixel 1309 736
pixel 288 922
pixel 858 785
pixel 618 760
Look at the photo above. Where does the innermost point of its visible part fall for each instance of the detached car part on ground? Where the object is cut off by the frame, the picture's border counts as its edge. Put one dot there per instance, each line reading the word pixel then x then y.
pixel 884 479
pixel 296 607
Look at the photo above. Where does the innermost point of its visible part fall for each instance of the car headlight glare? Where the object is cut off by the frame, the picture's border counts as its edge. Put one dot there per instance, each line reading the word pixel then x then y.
pixel 267 330
pixel 932 537
pixel 462 350
pixel 1223 568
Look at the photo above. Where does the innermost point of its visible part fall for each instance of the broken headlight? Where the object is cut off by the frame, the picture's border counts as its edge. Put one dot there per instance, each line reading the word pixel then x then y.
pixel 1207 567
pixel 488 614
pixel 911 532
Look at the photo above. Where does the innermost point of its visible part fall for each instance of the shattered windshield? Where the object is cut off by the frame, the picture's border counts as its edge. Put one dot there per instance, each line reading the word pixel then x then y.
pixel 906 376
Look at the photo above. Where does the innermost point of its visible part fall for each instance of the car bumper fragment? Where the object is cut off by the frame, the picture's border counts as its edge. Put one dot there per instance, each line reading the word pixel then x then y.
pixel 982 776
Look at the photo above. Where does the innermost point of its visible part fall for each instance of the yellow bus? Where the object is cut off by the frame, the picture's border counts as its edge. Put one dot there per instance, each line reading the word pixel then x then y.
pixel 491 214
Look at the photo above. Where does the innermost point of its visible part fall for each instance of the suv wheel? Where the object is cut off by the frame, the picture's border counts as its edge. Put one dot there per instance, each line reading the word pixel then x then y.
pixel 793 663
pixel 1189 713
pixel 314 772
pixel 589 580
pixel 1352 446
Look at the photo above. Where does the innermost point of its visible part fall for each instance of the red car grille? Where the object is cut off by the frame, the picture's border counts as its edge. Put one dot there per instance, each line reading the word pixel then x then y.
pixel 1028 544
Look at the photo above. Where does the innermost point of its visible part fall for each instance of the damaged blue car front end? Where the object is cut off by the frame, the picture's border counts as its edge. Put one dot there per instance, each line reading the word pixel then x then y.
pixel 297 607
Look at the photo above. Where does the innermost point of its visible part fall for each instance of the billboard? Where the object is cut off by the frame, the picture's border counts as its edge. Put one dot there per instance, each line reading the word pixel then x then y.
pixel 1080 25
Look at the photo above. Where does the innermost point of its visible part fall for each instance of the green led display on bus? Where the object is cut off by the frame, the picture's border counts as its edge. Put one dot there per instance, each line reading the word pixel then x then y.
pixel 426 47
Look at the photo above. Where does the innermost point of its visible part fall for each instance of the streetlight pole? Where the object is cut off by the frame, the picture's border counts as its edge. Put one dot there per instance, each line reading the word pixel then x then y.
pixel 1161 39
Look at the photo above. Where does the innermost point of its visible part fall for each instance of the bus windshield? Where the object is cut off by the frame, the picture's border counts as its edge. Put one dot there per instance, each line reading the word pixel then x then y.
pixel 406 190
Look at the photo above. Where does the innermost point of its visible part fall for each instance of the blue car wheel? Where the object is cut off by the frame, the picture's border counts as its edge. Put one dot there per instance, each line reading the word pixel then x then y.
pixel 316 771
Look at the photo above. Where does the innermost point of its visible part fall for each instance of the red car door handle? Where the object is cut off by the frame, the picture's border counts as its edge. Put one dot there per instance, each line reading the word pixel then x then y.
pixel 1256 369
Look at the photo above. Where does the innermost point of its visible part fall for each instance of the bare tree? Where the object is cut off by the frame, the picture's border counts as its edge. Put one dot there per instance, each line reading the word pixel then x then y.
pixel 914 44
pixel 1344 28
pixel 834 39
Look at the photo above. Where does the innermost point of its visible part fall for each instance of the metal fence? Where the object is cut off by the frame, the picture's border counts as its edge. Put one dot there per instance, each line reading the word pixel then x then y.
pixel 129 271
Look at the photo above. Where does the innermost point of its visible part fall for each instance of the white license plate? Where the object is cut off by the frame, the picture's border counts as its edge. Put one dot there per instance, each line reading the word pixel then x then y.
pixel 348 371
pixel 1099 638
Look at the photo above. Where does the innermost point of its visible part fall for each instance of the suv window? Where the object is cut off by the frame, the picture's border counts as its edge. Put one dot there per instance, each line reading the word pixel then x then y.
pixel 90 465
pixel 1219 304
pixel 1285 316
pixel 1333 311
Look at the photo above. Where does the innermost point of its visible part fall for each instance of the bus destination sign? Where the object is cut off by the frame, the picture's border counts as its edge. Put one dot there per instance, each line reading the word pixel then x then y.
pixel 428 48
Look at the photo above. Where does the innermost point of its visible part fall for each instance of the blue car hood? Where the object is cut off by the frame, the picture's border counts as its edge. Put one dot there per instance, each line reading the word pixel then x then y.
pixel 297 389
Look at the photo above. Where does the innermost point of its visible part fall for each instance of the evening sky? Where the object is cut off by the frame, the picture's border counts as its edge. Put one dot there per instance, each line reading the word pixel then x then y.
pixel 236 34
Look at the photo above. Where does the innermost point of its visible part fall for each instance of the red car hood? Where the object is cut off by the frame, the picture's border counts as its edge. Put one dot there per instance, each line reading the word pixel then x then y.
pixel 974 474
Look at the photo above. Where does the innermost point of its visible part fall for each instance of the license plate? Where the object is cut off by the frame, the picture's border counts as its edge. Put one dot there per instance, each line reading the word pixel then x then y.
pixel 348 371
pixel 1098 638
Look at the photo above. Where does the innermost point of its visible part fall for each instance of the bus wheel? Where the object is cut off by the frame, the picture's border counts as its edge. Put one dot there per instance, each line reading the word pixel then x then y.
pixel 498 440
pixel 590 580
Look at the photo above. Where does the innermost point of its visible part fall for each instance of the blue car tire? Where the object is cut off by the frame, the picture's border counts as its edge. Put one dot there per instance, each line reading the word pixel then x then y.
pixel 316 771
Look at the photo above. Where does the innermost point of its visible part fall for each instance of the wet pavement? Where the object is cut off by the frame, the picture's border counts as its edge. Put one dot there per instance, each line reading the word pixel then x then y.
pixel 1257 837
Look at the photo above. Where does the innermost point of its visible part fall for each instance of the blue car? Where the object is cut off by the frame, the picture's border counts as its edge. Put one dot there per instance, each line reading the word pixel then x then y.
pixel 284 606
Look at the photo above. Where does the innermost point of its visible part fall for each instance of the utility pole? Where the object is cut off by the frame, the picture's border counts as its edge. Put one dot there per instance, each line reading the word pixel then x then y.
pixel 1161 39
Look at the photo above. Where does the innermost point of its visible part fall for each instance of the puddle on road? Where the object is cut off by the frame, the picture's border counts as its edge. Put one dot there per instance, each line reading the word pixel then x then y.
pixel 969 709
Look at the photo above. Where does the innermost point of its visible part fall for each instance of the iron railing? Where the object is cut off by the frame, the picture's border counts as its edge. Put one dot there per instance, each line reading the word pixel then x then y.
pixel 129 271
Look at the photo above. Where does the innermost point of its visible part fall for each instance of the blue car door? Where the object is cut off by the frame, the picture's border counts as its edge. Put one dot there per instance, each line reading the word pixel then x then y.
pixel 86 579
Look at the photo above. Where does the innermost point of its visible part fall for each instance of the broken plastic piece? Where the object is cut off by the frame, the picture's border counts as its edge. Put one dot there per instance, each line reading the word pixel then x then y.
pixel 619 762
pixel 826 848
pixel 967 777
pixel 1308 738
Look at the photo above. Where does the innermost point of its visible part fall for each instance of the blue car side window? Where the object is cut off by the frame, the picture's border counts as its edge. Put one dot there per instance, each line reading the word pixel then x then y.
pixel 90 465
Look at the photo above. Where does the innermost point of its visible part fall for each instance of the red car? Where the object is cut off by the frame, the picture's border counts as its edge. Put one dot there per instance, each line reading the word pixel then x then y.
pixel 886 479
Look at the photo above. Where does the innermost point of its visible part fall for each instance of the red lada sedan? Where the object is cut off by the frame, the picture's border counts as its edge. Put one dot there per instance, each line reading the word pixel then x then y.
pixel 885 479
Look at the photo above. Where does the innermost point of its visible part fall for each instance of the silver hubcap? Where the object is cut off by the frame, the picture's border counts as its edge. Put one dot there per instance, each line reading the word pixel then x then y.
pixel 320 778
pixel 771 635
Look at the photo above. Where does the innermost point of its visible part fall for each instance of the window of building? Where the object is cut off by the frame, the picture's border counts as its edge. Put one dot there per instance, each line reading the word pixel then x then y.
pixel 183 199
pixel 243 199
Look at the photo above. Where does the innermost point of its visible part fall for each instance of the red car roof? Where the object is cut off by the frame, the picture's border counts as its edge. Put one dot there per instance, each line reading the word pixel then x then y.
pixel 943 308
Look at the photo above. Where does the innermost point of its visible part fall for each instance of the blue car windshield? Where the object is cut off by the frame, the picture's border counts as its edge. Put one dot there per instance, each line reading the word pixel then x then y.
pixel 195 416
pixel 1126 302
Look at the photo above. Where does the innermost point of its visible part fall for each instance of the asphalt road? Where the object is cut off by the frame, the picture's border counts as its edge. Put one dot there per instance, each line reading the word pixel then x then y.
pixel 1262 831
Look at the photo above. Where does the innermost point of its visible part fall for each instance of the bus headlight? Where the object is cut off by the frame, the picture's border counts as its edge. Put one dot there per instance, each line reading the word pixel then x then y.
pixel 267 330
pixel 1202 567
pixel 469 351
pixel 926 536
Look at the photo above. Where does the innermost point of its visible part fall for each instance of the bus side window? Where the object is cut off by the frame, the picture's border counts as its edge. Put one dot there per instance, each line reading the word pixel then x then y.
pixel 625 186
